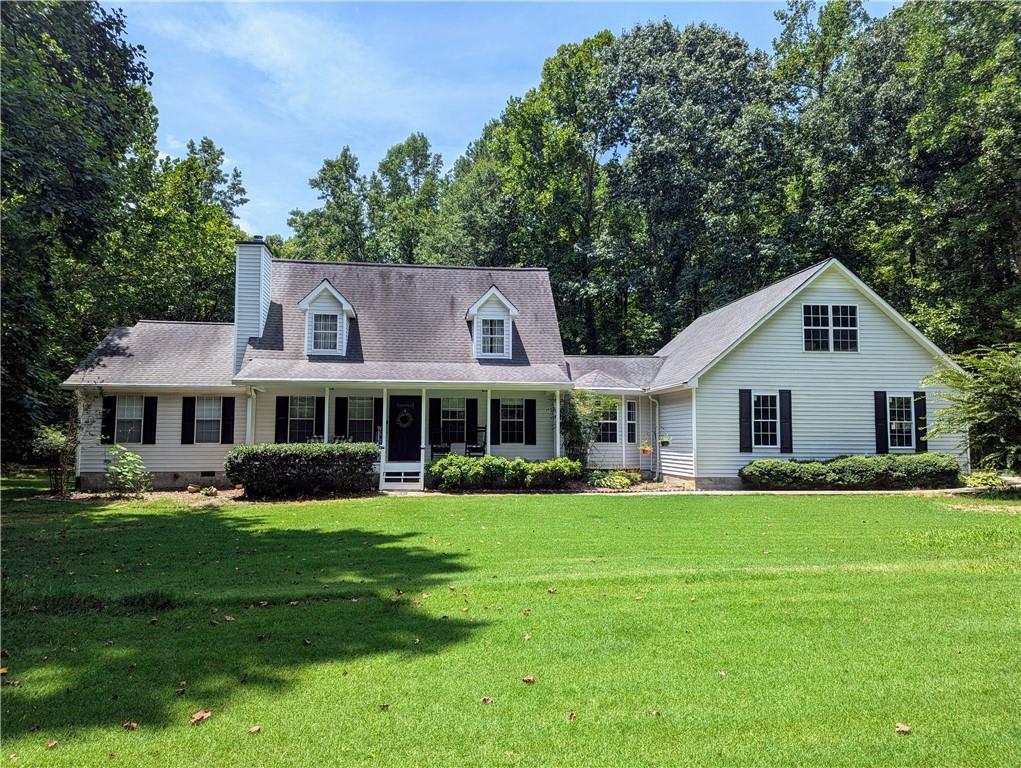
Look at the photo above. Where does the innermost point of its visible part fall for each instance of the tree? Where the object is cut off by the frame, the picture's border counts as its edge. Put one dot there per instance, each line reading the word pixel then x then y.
pixel 74 101
pixel 338 231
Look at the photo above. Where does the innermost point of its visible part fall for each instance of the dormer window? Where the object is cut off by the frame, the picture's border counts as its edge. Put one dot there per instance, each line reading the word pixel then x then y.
pixel 327 320
pixel 324 332
pixel 493 325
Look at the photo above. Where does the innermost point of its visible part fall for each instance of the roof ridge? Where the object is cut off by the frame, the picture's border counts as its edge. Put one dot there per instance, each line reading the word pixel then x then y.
pixel 412 266
pixel 183 322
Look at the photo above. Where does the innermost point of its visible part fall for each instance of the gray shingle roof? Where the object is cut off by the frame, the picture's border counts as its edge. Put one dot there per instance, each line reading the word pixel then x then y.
pixel 161 353
pixel 410 325
pixel 612 371
pixel 712 333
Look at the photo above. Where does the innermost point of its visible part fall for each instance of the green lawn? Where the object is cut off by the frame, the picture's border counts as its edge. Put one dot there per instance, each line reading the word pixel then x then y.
pixel 681 630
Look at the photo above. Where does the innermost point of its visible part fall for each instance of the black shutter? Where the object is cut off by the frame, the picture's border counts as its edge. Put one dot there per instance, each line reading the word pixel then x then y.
pixel 745 419
pixel 377 416
pixel 280 434
pixel 320 416
pixel 340 417
pixel 149 420
pixel 187 420
pixel 494 421
pixel 471 420
pixel 882 435
pixel 921 445
pixel 530 421
pixel 786 431
pixel 227 421
pixel 435 421
pixel 109 425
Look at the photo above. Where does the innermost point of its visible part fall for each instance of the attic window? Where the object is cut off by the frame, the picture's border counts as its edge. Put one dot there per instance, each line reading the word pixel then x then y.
pixel 492 336
pixel 830 327
pixel 324 332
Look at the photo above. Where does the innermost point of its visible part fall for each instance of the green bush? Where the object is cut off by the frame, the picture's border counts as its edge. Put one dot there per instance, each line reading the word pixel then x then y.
pixel 464 473
pixel 985 478
pixel 126 473
pixel 302 470
pixel 880 472
pixel 615 479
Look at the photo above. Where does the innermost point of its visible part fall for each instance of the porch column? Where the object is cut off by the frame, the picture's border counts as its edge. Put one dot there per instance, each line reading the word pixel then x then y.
pixel 556 423
pixel 382 440
pixel 425 415
pixel 489 422
pixel 622 432
pixel 326 418
pixel 250 416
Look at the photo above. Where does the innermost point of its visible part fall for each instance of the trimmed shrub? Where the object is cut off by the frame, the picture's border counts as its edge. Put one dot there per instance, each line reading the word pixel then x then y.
pixel 615 479
pixel 880 472
pixel 302 470
pixel 466 473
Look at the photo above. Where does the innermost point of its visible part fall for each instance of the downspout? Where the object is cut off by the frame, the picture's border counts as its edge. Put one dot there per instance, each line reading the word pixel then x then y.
pixel 658 474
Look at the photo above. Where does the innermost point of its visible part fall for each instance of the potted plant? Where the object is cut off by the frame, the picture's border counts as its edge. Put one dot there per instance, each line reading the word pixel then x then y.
pixel 645 447
pixel 664 439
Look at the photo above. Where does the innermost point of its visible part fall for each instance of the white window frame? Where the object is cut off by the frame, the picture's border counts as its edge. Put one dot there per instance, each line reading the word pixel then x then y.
pixel 517 402
pixel 830 327
pixel 360 405
pixel 338 331
pixel 775 394
pixel 198 417
pixel 122 400
pixel 615 421
pixel 291 419
pixel 450 405
pixel 629 422
pixel 910 396
pixel 502 336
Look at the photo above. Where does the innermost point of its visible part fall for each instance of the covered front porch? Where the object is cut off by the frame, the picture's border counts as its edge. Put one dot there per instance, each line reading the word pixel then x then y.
pixel 412 425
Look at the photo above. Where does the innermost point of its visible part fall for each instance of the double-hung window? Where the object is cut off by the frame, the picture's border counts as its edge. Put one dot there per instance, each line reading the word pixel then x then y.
pixel 359 419
pixel 301 417
pixel 325 332
pixel 129 419
pixel 607 425
pixel 632 420
pixel 207 419
pixel 512 420
pixel 492 341
pixel 765 420
pixel 830 327
pixel 900 415
pixel 452 419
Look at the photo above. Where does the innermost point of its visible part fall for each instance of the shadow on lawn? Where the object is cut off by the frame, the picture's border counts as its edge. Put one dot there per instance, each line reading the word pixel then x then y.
pixel 87 656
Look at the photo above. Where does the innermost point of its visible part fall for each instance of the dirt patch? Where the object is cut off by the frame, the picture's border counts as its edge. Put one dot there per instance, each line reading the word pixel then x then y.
pixel 180 497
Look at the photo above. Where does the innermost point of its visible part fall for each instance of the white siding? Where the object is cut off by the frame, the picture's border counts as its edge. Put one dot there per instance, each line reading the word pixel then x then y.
pixel 252 288
pixel 544 416
pixel 167 454
pixel 675 420
pixel 622 453
pixel 326 304
pixel 832 407
pixel 493 309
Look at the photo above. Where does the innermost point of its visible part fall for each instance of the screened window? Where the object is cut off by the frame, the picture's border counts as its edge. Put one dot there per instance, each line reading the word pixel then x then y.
pixel 512 420
pixel 900 414
pixel 817 327
pixel 607 425
pixel 207 419
pixel 301 419
pixel 845 328
pixel 830 327
pixel 492 336
pixel 129 419
pixel 359 419
pixel 632 421
pixel 765 415
pixel 324 332
pixel 452 419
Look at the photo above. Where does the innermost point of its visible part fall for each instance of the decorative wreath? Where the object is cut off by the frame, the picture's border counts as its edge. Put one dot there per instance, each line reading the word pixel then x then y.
pixel 404 419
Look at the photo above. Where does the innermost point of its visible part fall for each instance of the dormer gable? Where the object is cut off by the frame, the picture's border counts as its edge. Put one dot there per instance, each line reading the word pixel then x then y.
pixel 492 319
pixel 327 320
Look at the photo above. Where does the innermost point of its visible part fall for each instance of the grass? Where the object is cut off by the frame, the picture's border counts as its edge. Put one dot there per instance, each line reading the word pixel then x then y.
pixel 833 619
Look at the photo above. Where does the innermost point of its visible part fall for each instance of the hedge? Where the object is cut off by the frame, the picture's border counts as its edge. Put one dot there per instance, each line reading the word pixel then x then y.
pixel 301 470
pixel 880 472
pixel 465 473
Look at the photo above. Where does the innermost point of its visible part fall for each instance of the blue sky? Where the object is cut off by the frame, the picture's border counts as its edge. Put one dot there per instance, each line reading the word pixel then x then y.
pixel 281 86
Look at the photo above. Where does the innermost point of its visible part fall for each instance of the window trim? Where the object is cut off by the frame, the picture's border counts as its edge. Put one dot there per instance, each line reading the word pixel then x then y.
pixel 775 394
pixel 219 420
pixel 628 422
pixel 291 419
pixel 141 420
pixel 889 422
pixel 616 425
pixel 504 402
pixel 337 345
pixel 483 336
pixel 463 420
pixel 371 419
pixel 830 327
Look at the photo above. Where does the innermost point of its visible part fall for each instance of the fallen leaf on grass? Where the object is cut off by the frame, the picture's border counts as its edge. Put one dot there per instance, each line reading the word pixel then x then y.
pixel 198 717
pixel 487 699
pixel 902 728
pixel 526 612
pixel 3 670
pixel 51 744
pixel 153 620
pixel 130 725
pixel 13 756
pixel 227 617
pixel 572 715
pixel 654 712
pixel 552 590
pixel 723 673
pixel 528 679
pixel 527 637
pixel 384 707
pixel 307 641
pixel 263 603
pixel 255 729
pixel 293 603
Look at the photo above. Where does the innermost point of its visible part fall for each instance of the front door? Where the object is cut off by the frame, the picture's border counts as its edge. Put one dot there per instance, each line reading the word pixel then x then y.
pixel 404 438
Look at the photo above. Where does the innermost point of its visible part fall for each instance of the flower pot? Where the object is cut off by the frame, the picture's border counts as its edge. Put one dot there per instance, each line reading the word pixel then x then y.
pixel 646 451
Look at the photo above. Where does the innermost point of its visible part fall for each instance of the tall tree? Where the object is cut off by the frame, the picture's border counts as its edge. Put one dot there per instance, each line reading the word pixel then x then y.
pixel 338 231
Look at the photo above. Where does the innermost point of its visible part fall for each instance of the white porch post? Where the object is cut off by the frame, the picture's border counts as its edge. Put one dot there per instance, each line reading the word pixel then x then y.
pixel 489 421
pixel 250 417
pixel 556 424
pixel 382 440
pixel 622 432
pixel 421 449
pixel 326 418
